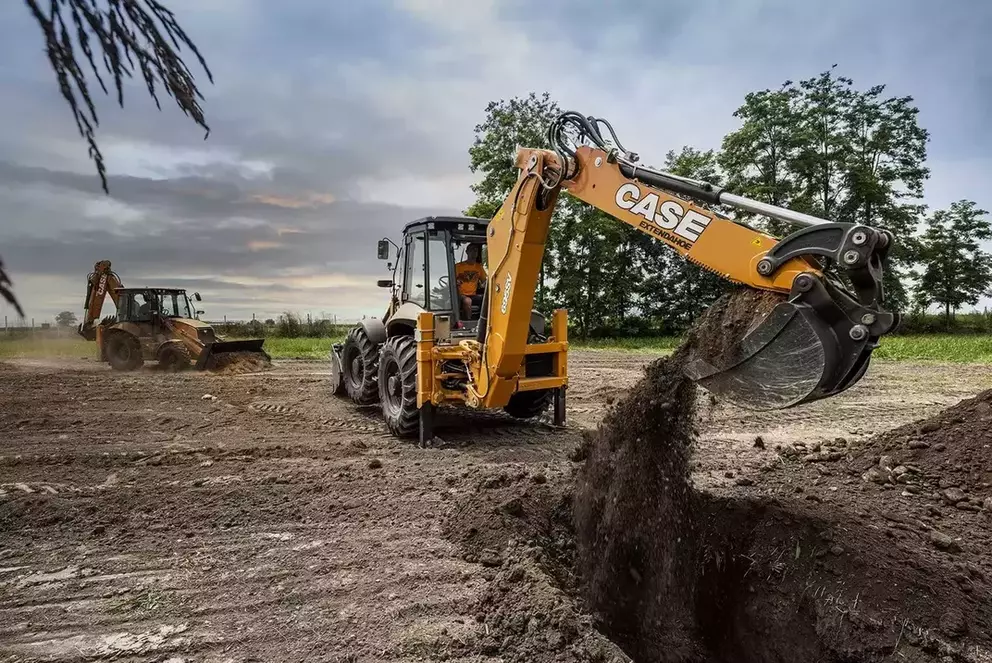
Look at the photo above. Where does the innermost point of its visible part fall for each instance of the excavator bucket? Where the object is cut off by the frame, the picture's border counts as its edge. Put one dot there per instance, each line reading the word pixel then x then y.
pixel 764 351
pixel 219 352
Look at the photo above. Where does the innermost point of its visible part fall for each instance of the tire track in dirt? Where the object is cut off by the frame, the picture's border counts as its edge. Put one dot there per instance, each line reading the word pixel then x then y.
pixel 269 521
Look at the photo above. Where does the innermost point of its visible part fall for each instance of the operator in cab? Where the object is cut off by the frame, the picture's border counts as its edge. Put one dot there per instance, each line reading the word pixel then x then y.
pixel 470 276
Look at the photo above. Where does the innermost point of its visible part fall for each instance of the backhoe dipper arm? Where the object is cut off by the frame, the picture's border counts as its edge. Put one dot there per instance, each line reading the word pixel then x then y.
pixel 816 344
pixel 99 283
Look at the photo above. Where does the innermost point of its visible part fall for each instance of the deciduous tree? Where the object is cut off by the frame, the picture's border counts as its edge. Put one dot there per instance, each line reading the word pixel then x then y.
pixel 509 123
pixel 758 157
pixel 824 147
pixel 65 319
pixel 956 271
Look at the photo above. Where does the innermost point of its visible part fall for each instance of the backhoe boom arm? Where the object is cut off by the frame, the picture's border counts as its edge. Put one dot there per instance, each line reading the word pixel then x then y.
pixel 99 283
pixel 816 343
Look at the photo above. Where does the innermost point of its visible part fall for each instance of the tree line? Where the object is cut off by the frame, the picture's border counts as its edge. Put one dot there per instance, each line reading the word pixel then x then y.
pixel 821 146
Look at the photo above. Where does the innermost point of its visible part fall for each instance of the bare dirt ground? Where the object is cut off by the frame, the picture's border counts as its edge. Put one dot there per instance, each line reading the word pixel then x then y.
pixel 254 517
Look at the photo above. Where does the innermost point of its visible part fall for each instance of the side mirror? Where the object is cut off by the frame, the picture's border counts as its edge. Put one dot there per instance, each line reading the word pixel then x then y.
pixel 383 249
pixel 197 297
pixel 384 283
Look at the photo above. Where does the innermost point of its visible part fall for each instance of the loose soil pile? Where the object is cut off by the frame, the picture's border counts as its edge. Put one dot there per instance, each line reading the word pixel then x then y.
pixel 229 363
pixel 949 454
pixel 729 319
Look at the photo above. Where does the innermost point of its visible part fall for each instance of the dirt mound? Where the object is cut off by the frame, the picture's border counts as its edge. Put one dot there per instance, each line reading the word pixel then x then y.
pixel 229 363
pixel 950 452
pixel 530 619
pixel 503 508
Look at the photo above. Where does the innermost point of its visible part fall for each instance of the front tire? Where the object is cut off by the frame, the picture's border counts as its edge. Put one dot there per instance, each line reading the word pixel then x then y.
pixel 174 357
pixel 337 377
pixel 360 367
pixel 398 386
pixel 123 351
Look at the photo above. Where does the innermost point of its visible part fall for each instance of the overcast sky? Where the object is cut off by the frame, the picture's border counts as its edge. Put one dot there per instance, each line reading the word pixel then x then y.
pixel 333 123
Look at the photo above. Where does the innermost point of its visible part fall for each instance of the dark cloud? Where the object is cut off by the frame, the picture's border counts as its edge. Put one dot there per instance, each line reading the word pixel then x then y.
pixel 220 226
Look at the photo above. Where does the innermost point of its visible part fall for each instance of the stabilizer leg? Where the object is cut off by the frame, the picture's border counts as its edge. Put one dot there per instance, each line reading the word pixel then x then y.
pixel 559 406
pixel 426 424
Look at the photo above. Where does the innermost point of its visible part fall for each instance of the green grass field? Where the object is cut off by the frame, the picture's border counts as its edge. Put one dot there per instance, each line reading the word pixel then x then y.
pixel 963 349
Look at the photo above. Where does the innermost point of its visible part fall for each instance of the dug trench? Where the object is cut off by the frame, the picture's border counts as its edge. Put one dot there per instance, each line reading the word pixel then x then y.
pixel 626 560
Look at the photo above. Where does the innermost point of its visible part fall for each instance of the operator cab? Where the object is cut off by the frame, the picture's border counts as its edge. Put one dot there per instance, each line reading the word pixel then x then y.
pixel 142 304
pixel 435 268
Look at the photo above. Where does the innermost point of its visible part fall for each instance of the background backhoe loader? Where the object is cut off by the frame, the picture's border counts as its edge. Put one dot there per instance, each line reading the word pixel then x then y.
pixel 154 324
pixel 426 352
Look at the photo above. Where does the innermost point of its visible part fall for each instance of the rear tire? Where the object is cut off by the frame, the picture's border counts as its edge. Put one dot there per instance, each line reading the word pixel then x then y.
pixel 360 367
pixel 174 357
pixel 529 404
pixel 123 351
pixel 398 386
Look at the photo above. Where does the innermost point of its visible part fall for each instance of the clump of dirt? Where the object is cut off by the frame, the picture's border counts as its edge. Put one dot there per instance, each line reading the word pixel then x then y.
pixel 502 508
pixel 952 450
pixel 529 612
pixel 529 618
pixel 229 363
pixel 731 317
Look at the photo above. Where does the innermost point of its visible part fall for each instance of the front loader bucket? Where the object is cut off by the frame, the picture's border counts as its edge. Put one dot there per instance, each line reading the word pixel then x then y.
pixel 215 353
pixel 788 354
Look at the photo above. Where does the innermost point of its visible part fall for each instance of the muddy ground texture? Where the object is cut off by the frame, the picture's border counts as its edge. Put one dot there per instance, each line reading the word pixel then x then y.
pixel 254 517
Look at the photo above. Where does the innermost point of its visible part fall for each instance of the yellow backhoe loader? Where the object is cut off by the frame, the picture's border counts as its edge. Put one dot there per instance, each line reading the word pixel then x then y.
pixel 440 344
pixel 153 324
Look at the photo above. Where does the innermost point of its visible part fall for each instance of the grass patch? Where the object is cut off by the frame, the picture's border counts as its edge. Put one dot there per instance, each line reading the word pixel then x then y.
pixel 963 348
pixel 319 348
pixel 300 348
pixel 661 344
pixel 970 348
pixel 973 349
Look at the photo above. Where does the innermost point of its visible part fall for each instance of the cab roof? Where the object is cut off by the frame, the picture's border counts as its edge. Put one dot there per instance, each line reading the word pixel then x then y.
pixel 468 223
pixel 159 291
